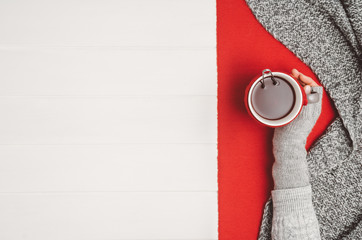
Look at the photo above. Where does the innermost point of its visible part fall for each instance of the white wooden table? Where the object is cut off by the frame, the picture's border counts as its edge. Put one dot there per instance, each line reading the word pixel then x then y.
pixel 108 125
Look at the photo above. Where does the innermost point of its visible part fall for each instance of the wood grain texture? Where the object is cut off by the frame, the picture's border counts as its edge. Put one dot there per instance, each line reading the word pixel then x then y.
pixel 99 216
pixel 108 125
pixel 124 167
pixel 107 71
pixel 107 120
pixel 109 22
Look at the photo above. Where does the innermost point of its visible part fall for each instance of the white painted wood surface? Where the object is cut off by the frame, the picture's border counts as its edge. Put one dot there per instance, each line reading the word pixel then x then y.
pixel 120 215
pixel 114 71
pixel 164 23
pixel 109 167
pixel 108 124
pixel 108 120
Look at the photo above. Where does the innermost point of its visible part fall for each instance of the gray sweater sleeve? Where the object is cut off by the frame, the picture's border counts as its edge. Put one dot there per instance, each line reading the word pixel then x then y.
pixel 293 212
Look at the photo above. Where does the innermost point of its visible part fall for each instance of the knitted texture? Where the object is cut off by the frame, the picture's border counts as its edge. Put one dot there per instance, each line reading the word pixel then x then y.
pixel 290 169
pixel 293 212
pixel 293 215
pixel 327 36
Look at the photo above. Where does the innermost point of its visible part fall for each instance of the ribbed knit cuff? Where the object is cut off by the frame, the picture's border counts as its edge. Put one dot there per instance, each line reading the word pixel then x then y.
pixel 293 200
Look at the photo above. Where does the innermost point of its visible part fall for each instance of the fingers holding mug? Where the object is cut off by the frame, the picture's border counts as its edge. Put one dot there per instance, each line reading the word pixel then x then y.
pixel 303 79
pixel 307 89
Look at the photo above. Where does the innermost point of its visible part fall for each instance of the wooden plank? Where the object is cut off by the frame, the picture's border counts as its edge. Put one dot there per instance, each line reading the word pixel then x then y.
pixel 107 71
pixel 91 216
pixel 125 167
pixel 109 22
pixel 108 120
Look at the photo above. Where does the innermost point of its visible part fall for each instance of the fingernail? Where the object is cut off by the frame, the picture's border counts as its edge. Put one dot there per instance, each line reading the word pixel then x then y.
pixel 307 89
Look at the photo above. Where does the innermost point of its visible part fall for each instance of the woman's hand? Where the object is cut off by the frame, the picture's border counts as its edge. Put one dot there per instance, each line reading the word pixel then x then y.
pixel 299 128
pixel 307 82
pixel 290 168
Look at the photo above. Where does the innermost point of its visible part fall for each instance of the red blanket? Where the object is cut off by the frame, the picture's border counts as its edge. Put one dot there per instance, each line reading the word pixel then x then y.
pixel 244 49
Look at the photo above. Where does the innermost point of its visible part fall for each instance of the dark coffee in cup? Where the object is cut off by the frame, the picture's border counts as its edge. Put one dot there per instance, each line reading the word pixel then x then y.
pixel 273 101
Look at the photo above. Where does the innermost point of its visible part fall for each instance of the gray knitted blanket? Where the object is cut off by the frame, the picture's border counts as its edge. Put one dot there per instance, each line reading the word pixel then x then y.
pixel 327 36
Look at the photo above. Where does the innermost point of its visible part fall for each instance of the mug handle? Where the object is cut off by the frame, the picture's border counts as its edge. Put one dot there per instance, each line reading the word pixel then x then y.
pixel 313 97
